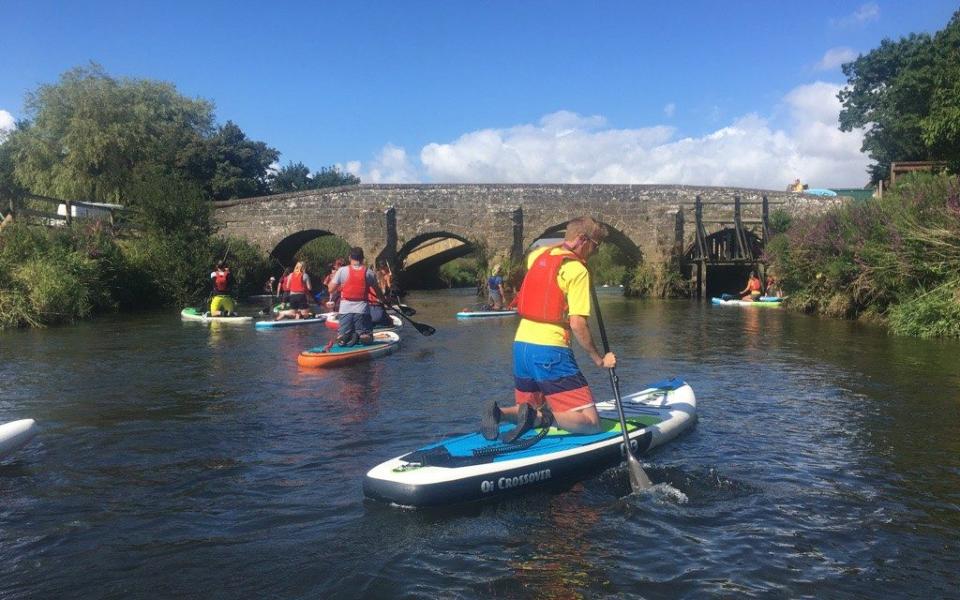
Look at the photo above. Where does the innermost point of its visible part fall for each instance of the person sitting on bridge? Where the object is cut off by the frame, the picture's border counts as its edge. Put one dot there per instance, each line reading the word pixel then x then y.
pixel 495 289
pixel 753 290
pixel 554 301
pixel 222 304
pixel 353 283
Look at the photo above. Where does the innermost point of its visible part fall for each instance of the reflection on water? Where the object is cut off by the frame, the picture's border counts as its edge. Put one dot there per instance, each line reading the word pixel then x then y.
pixel 185 459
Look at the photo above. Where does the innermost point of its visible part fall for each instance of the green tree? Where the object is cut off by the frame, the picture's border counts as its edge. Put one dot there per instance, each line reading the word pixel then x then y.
pixel 90 133
pixel 332 177
pixel 905 94
pixel 228 164
pixel 291 178
pixel 9 186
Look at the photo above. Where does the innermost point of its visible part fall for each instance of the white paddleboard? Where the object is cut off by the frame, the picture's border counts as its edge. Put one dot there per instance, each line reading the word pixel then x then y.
pixel 15 434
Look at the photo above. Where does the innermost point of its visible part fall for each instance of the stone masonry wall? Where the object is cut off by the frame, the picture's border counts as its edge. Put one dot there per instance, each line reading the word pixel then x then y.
pixel 644 214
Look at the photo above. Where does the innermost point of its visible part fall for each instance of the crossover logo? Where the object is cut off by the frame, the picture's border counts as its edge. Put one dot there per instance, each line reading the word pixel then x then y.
pixel 505 483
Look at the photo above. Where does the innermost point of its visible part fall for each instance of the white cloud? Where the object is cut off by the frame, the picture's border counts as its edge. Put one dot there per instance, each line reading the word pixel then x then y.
pixel 565 147
pixel 865 14
pixel 7 123
pixel 390 166
pixel 834 57
pixel 670 109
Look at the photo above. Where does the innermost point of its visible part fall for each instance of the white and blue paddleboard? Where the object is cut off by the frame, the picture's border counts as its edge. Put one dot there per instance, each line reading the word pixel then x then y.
pixel 271 324
pixel 192 314
pixel 764 301
pixel 15 434
pixel 485 314
pixel 469 467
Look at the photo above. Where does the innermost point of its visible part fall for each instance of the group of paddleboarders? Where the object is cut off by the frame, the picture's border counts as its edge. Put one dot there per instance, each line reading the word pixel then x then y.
pixel 554 301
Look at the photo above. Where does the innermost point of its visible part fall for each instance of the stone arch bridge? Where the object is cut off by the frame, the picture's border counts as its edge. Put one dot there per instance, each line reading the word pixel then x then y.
pixel 421 226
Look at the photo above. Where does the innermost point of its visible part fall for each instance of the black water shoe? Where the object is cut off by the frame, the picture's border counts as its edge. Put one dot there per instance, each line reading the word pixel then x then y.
pixel 490 425
pixel 526 417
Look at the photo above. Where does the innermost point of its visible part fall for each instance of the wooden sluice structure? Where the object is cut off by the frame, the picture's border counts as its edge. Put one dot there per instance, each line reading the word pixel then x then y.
pixel 738 241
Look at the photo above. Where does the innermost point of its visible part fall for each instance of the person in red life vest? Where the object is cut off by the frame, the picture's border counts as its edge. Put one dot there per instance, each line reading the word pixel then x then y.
pixel 298 286
pixel 283 286
pixel 378 312
pixel 333 300
pixel 353 283
pixel 222 304
pixel 554 300
pixel 753 290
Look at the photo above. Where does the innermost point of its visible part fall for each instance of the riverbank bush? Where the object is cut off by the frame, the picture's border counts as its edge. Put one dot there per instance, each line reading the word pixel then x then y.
pixel 895 259
pixel 52 276
pixel 656 281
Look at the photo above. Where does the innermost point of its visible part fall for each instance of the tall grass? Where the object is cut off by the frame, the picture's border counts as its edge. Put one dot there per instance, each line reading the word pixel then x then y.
pixel 896 259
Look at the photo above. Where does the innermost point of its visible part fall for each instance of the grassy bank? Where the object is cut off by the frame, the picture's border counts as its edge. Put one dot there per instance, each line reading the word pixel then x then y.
pixel 60 275
pixel 894 260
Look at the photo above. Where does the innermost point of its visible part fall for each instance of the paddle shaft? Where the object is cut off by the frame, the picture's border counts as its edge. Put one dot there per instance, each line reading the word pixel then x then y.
pixel 638 479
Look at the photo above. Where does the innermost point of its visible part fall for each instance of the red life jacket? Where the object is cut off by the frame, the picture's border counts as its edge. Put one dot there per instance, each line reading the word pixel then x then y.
pixel 295 283
pixel 220 281
pixel 355 289
pixel 540 298
pixel 285 283
pixel 754 284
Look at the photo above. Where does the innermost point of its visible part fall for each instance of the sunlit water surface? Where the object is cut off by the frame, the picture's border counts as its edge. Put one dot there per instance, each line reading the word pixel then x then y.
pixel 190 460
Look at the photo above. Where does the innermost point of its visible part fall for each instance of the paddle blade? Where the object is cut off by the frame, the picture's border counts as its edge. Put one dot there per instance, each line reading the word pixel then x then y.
pixel 638 478
pixel 423 328
pixel 408 310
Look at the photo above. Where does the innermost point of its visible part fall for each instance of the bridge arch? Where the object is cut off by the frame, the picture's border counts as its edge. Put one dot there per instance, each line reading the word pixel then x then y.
pixel 286 249
pixel 423 255
pixel 615 237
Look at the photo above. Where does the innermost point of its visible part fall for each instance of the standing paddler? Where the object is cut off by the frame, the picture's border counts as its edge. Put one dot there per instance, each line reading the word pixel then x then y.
pixel 554 300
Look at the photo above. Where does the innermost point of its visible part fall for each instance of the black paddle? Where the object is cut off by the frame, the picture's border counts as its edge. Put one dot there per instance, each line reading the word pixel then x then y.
pixel 638 479
pixel 423 328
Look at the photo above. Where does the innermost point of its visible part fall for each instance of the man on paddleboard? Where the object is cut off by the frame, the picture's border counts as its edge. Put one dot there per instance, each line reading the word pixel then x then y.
pixel 554 300
pixel 495 289
pixel 354 282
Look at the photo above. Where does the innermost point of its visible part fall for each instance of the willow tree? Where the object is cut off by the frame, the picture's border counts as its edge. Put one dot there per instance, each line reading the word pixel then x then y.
pixel 91 136
pixel 90 133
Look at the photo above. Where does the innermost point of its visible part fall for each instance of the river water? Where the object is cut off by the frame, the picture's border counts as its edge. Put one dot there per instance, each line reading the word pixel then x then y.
pixel 190 460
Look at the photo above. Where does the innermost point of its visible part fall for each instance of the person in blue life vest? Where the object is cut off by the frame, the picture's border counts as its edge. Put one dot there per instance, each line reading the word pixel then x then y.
pixel 222 304
pixel 554 302
pixel 353 283
pixel 495 289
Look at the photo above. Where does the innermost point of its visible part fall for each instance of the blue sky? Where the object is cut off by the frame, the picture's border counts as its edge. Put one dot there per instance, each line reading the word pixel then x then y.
pixel 711 93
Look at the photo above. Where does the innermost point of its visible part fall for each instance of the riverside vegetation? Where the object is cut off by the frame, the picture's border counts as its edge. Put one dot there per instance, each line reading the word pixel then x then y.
pixel 141 144
pixel 894 260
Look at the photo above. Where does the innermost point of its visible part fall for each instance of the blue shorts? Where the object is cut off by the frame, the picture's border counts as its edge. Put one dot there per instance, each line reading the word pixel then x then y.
pixel 549 374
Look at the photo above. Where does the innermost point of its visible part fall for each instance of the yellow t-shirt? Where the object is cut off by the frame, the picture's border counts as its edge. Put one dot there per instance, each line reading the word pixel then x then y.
pixel 574 281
